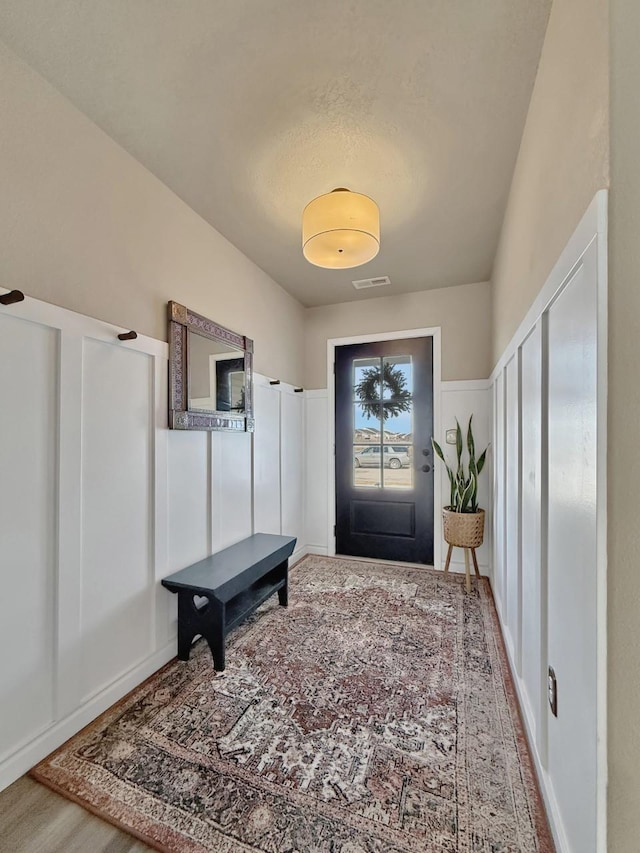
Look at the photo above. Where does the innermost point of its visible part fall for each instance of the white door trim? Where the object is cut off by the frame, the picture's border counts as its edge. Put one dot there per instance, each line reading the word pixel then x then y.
pixel 431 332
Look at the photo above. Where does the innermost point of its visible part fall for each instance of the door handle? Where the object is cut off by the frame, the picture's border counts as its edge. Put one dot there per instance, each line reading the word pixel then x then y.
pixel 426 468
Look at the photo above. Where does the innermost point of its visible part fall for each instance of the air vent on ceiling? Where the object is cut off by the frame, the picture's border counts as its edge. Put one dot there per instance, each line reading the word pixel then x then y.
pixel 363 283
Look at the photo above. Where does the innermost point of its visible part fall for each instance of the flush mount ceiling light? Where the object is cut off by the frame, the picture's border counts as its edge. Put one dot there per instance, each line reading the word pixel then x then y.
pixel 340 230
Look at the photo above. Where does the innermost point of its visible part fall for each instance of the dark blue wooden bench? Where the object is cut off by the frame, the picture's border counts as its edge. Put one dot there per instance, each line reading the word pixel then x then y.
pixel 234 582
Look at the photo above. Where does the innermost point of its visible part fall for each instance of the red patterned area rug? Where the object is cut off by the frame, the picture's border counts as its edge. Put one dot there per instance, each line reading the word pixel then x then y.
pixel 374 715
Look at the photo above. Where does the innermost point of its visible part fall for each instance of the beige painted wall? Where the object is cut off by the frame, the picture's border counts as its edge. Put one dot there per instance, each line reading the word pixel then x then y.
pixel 85 226
pixel 563 159
pixel 463 312
pixel 623 433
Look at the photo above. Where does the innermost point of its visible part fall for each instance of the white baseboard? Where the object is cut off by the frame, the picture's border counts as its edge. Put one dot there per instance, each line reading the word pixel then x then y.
pixel 28 755
pixel 320 550
pixel 458 566
pixel 298 554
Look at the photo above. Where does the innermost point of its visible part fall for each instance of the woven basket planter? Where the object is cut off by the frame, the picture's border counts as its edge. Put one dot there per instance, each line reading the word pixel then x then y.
pixel 463 529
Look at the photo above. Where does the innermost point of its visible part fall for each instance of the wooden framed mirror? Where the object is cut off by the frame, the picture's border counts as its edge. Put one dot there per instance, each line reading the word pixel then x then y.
pixel 210 374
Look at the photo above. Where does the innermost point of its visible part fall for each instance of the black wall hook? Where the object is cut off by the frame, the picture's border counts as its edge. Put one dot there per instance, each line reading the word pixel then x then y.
pixel 127 336
pixel 11 297
pixel 298 390
pixel 274 382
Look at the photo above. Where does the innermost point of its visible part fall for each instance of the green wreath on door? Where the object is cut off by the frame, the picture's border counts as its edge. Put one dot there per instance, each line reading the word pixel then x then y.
pixel 393 382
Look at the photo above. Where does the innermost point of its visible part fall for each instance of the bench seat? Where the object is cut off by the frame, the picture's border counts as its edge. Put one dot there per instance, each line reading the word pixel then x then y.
pixel 234 583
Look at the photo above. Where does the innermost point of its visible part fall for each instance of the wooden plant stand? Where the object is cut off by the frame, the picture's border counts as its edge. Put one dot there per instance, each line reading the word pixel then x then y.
pixel 467 567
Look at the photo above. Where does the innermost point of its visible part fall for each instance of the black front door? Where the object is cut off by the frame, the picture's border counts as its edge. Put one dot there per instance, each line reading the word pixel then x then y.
pixel 384 460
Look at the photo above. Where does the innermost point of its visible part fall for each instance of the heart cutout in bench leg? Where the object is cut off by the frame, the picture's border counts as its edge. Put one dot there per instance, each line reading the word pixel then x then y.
pixel 201 603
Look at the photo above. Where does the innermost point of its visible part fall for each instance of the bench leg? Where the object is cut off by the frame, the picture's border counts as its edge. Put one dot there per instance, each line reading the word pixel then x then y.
pixel 185 632
pixel 215 641
pixel 283 594
pixel 214 635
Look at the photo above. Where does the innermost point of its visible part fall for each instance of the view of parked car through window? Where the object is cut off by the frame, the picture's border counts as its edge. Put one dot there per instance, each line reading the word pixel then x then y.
pixel 393 457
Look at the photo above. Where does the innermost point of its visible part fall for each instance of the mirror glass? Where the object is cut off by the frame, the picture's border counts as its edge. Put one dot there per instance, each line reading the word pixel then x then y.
pixel 216 375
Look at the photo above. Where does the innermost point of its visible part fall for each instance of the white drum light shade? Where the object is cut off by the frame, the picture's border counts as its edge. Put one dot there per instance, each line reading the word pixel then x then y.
pixel 340 229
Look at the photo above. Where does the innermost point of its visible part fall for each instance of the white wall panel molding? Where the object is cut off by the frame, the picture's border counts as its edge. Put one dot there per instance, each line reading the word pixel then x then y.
pixel 106 502
pixel 498 492
pixel 550 416
pixel 231 499
pixel 512 599
pixel 533 553
pixel 279 451
pixel 460 399
pixel 69 566
pixel 266 453
pixel 70 395
pixel 316 467
pixel 117 601
pixel 28 527
pixel 292 464
pixel 163 613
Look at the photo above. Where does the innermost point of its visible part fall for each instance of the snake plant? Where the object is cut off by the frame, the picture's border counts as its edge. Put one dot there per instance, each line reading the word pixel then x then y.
pixel 464 484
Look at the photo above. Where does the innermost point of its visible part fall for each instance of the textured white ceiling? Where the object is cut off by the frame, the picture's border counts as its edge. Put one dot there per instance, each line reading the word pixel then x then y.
pixel 248 109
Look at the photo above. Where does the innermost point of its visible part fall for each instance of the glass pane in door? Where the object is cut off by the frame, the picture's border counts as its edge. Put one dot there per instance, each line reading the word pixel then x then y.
pixel 398 463
pixel 367 423
pixel 397 376
pixel 366 379
pixel 398 466
pixel 367 466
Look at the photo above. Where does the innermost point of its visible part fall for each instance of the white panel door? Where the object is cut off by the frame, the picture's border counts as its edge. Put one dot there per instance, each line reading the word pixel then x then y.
pixel 232 498
pixel 498 490
pixel 572 524
pixel 292 465
pixel 512 511
pixel 117 601
pixel 533 602
pixel 266 459
pixel 28 448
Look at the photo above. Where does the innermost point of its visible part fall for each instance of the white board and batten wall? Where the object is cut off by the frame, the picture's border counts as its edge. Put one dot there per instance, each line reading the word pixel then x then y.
pixel 549 392
pixel 278 461
pixel 98 502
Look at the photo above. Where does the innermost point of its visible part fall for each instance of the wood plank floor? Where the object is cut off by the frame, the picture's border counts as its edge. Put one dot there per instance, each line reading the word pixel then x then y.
pixel 34 819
